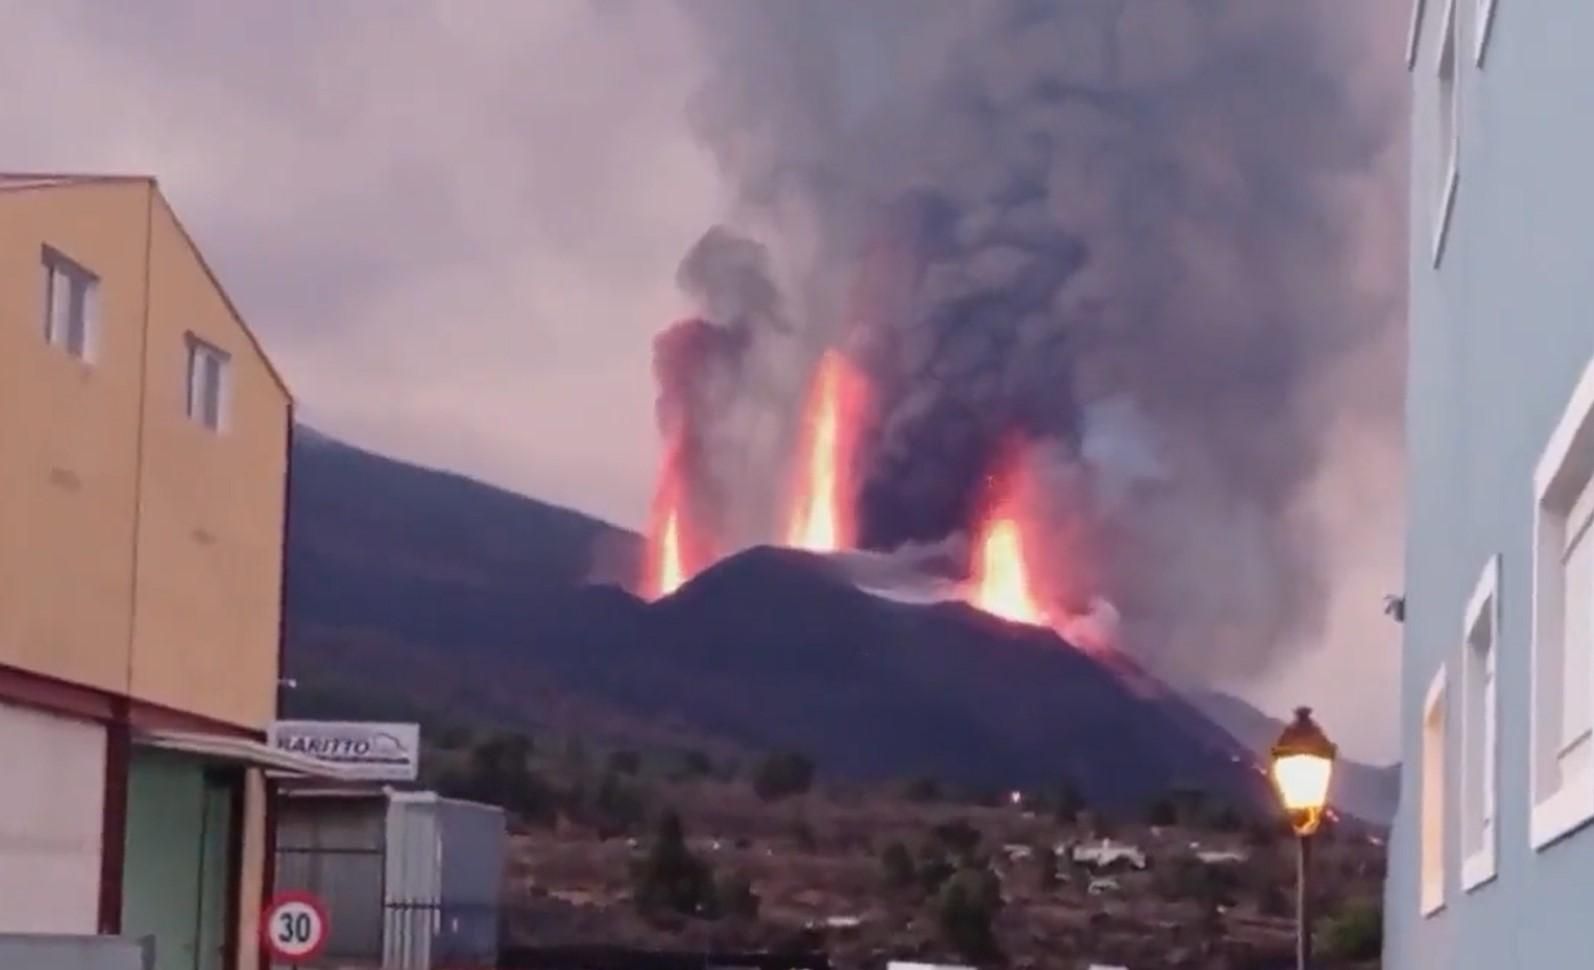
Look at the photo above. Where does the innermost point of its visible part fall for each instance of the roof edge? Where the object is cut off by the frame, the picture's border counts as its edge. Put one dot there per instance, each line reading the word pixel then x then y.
pixel 226 299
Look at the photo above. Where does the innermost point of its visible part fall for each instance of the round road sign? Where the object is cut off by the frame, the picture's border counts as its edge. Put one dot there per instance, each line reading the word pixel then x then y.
pixel 295 926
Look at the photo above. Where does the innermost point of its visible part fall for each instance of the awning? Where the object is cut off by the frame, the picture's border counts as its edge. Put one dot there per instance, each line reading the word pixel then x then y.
pixel 243 751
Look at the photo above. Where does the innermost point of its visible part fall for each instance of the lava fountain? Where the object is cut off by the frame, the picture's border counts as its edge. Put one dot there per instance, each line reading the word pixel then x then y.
pixel 821 516
pixel 667 565
pixel 1000 578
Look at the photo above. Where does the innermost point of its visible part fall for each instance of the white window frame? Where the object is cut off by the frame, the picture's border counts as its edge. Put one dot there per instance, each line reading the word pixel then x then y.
pixel 1449 154
pixel 58 266
pixel 1414 34
pixel 1565 465
pixel 1480 731
pixel 198 350
pixel 1431 801
pixel 1485 20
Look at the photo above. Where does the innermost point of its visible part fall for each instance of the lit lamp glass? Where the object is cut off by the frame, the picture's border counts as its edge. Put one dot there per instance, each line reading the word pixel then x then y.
pixel 1303 764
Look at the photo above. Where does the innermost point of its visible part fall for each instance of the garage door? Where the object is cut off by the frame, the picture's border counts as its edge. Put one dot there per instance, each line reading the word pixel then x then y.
pixel 51 805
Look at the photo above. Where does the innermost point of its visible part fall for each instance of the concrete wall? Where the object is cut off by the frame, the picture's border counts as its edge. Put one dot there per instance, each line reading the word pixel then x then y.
pixel 52 776
pixel 73 953
pixel 69 436
pixel 211 506
pixel 101 468
pixel 1500 331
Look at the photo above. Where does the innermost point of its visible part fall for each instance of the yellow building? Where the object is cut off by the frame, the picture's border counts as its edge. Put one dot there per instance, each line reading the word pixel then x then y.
pixel 144 443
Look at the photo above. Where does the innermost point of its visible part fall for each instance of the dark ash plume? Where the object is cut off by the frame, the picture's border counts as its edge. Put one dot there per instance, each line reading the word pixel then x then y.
pixel 1135 233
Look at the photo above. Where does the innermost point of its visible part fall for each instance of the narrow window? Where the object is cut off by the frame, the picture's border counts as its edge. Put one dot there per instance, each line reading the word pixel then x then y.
pixel 1448 125
pixel 1479 719
pixel 207 384
pixel 1563 624
pixel 1433 797
pixel 70 295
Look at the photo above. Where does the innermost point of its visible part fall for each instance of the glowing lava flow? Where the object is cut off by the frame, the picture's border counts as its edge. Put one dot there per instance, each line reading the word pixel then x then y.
pixel 821 512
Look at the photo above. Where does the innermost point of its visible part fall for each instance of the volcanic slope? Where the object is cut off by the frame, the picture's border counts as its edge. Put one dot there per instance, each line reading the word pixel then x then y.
pixel 469 603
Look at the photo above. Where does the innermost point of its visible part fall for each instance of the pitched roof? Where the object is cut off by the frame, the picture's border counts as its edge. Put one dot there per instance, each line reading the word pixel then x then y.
pixel 18 181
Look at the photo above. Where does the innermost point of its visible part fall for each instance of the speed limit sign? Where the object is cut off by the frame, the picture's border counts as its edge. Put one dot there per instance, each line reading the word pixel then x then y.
pixel 295 927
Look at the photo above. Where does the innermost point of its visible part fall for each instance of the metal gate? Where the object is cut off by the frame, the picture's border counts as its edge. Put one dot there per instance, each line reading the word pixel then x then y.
pixel 335 850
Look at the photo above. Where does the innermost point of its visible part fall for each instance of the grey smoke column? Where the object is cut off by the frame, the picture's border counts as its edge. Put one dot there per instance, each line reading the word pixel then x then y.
pixel 1125 230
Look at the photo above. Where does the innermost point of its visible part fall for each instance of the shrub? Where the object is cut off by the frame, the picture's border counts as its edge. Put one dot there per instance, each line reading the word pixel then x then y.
pixel 670 879
pixel 1355 933
pixel 966 911
pixel 782 775
pixel 736 898
pixel 959 837
pixel 897 865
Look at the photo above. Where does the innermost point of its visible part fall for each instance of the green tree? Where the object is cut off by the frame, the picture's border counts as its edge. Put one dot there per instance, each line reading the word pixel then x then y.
pixel 897 864
pixel 670 879
pixel 1355 933
pixel 782 775
pixel 498 771
pixel 966 910
pixel 617 806
pixel 1163 812
pixel 960 838
pixel 735 897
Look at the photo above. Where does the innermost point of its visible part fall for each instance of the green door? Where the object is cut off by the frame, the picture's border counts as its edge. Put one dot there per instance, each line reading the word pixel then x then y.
pixel 175 876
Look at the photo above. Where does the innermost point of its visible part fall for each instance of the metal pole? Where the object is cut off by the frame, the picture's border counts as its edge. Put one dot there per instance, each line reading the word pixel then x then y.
pixel 1303 906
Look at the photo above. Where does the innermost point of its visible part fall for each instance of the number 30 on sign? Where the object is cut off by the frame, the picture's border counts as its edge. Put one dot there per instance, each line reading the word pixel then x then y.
pixel 295 927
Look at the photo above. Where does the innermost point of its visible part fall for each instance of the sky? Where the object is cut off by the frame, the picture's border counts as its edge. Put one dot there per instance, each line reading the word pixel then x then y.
pixel 456 228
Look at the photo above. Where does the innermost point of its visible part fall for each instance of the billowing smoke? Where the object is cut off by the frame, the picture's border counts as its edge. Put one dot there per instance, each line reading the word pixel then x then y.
pixel 1134 233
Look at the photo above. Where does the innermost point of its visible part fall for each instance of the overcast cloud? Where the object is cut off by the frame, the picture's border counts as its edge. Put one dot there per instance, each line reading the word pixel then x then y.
pixel 454 226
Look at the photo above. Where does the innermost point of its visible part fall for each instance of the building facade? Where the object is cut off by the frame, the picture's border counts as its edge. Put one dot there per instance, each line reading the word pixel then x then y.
pixel 143 470
pixel 1492 854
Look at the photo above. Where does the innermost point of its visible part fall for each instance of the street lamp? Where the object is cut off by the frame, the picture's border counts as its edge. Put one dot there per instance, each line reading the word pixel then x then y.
pixel 1303 763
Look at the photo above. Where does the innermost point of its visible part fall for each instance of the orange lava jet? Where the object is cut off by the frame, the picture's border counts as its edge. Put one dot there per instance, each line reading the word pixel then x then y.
pixel 1001 583
pixel 667 562
pixel 821 516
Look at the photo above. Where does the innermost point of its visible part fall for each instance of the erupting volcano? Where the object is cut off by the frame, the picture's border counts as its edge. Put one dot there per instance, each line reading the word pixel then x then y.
pixel 821 513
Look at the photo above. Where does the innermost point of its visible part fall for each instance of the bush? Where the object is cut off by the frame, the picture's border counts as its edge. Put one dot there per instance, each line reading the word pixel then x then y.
pixel 497 771
pixel 782 775
pixel 736 898
pixel 1355 933
pixel 934 871
pixel 1163 813
pixel 897 865
pixel 959 837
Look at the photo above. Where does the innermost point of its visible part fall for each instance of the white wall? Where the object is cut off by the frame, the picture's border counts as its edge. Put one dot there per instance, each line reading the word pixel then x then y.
pixel 52 788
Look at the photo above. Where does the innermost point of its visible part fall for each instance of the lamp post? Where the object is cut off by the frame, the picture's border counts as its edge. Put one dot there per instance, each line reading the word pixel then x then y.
pixel 1303 762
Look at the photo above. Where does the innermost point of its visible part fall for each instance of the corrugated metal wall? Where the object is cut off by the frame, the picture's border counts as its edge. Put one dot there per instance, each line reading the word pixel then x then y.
pixel 335 849
pixel 474 845
pixel 410 881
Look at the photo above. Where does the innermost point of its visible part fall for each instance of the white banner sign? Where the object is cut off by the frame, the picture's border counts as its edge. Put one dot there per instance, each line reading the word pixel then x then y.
pixel 366 750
